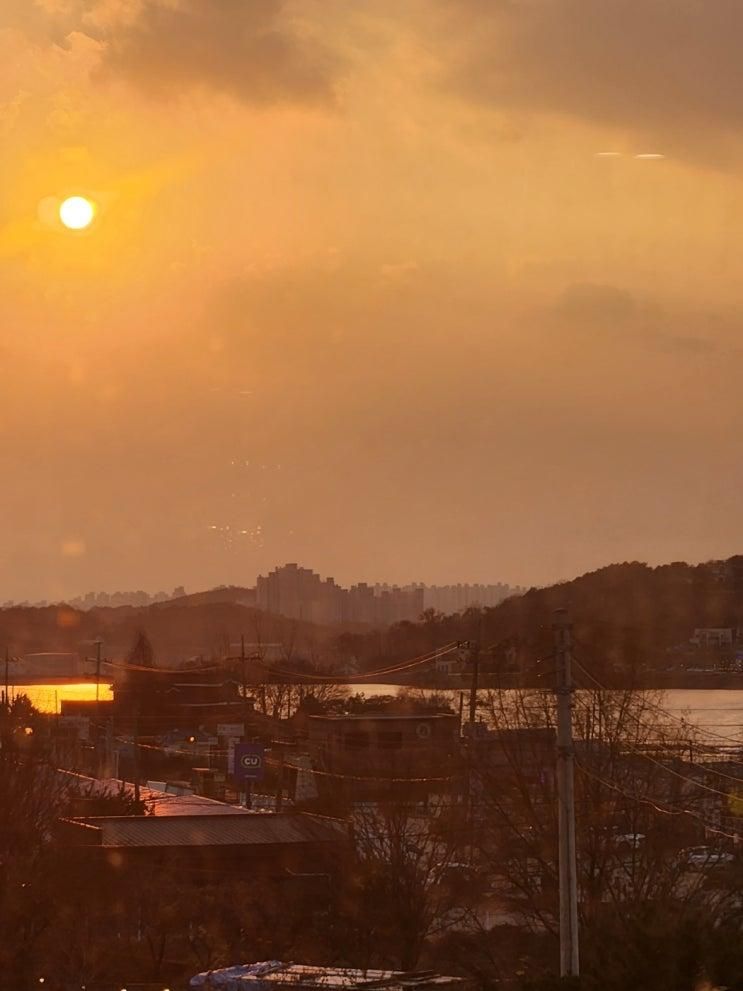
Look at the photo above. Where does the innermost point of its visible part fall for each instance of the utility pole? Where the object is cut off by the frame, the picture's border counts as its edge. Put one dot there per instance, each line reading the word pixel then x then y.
pixel 279 745
pixel 244 684
pixel 243 677
pixel 98 645
pixel 101 765
pixel 474 651
pixel 475 661
pixel 7 678
pixel 569 958
pixel 103 740
pixel 136 768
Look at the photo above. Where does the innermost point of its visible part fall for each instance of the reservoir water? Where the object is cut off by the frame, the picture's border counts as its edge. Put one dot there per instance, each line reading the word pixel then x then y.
pixel 718 710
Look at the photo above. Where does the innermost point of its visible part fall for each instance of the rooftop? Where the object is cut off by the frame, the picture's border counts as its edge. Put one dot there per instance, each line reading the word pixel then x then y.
pixel 251 829
pixel 160 803
pixel 273 974
pixel 392 716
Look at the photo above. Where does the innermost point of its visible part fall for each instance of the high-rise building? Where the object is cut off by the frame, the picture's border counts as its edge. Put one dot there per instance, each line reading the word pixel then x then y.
pixel 300 593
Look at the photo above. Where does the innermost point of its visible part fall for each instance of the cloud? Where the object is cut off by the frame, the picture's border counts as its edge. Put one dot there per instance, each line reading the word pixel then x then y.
pixel 666 71
pixel 249 50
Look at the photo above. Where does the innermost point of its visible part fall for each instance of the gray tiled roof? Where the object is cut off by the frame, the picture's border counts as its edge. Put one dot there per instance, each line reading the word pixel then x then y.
pixel 251 829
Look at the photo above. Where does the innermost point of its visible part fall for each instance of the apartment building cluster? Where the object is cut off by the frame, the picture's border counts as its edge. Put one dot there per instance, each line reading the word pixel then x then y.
pixel 301 593
pixel 449 599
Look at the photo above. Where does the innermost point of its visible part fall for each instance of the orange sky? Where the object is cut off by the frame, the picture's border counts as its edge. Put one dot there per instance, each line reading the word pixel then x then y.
pixel 364 293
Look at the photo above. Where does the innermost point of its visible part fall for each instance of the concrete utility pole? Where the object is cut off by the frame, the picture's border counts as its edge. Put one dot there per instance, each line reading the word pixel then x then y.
pixel 136 768
pixel 279 745
pixel 6 698
pixel 98 645
pixel 474 646
pixel 569 958
pixel 244 679
pixel 101 764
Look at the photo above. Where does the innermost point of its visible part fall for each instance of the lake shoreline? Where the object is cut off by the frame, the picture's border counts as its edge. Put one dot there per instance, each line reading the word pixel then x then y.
pixel 648 681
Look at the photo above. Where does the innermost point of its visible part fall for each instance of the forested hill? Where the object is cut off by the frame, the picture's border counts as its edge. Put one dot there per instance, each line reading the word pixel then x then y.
pixel 626 617
pixel 178 630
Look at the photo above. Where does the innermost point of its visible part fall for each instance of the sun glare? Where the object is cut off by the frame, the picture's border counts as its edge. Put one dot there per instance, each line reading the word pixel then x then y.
pixel 77 212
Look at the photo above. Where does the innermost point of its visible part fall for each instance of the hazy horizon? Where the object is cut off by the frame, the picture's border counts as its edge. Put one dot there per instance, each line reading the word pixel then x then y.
pixel 347 583
pixel 387 295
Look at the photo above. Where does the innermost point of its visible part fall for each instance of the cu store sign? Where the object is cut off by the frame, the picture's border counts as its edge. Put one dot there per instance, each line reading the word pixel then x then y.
pixel 250 761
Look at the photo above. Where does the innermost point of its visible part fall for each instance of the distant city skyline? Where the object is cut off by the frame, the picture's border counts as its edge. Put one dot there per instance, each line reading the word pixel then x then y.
pixel 448 596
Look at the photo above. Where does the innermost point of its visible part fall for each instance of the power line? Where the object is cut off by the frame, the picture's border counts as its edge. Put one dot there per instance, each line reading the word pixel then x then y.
pixel 658 808
pixel 125 666
pixel 665 767
pixel 738 743
pixel 379 672
pixel 297 767
pixel 325 679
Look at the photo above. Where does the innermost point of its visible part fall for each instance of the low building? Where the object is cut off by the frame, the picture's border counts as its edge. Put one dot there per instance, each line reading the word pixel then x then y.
pixel 151 697
pixel 448 664
pixel 363 755
pixel 713 638
pixel 255 844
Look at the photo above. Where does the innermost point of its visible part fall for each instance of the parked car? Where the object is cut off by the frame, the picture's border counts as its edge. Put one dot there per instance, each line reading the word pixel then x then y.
pixel 706 856
pixel 632 840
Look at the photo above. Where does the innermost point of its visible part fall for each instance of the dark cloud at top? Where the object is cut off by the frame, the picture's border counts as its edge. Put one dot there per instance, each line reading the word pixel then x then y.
pixel 249 50
pixel 669 71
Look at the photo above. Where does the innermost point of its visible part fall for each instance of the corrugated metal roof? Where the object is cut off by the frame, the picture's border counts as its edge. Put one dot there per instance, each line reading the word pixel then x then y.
pixel 270 975
pixel 251 829
pixel 161 803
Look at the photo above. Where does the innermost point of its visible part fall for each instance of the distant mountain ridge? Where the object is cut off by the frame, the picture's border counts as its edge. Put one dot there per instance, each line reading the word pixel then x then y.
pixel 627 618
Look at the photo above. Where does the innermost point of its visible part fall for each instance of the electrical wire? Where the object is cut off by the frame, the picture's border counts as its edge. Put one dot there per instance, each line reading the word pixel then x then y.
pixel 658 808
pixel 421 659
pixel 685 724
pixel 379 672
pixel 125 666
pixel 737 742
pixel 670 770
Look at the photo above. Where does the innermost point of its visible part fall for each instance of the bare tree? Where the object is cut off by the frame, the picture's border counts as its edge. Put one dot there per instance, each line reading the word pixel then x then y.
pixel 32 797
pixel 406 856
pixel 638 803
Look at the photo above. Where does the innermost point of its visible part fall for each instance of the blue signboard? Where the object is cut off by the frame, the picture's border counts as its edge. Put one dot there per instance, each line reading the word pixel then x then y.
pixel 249 761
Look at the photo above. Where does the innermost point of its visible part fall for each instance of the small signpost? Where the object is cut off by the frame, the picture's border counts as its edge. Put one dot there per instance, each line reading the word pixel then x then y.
pixel 249 766
pixel 231 730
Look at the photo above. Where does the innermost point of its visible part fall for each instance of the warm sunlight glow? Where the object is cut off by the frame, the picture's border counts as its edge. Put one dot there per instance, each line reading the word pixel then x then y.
pixel 77 212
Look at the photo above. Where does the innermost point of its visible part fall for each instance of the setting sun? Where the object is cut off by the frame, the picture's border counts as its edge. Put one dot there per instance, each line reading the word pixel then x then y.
pixel 77 212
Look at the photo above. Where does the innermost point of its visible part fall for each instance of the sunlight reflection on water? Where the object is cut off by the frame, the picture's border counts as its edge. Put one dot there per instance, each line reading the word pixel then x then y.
pixel 48 697
pixel 720 711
